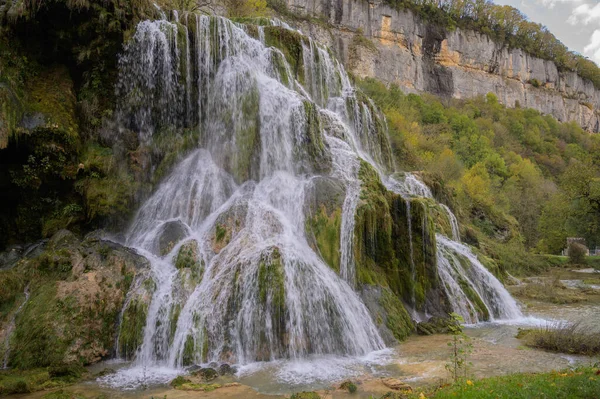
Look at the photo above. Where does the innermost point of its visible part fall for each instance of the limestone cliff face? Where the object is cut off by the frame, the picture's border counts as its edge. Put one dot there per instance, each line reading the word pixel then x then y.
pixel 421 57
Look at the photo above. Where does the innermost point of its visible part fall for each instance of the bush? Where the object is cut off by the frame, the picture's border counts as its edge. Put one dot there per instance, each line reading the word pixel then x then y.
pixel 577 254
pixel 564 338
pixel 349 386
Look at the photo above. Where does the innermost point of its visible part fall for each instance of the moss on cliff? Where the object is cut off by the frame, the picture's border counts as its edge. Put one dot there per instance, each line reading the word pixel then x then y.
pixel 326 230
pixel 131 330
pixel 397 318
pixel 290 43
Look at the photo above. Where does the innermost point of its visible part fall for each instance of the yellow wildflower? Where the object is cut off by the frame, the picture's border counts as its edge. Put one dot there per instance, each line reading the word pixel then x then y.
pixel 469 382
pixel 421 396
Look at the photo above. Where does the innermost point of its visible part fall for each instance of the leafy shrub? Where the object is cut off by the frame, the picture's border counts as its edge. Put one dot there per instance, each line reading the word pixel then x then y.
pixel 564 338
pixel 577 254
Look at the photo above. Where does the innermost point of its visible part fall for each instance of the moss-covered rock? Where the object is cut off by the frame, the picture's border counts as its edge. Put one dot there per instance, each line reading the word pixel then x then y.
pixel 131 330
pixel 323 207
pixel 290 43
pixel 76 290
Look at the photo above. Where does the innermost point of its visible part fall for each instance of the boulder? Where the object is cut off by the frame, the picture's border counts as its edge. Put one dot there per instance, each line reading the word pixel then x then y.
pixel 169 235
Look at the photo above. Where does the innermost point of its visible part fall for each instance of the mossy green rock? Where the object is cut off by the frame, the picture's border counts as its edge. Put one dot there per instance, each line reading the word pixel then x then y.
pixel 77 289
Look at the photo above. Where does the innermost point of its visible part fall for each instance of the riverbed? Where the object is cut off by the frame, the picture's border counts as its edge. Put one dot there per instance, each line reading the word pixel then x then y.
pixel 419 361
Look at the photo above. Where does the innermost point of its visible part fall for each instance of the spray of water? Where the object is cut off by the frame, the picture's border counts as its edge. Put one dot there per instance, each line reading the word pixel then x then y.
pixel 258 291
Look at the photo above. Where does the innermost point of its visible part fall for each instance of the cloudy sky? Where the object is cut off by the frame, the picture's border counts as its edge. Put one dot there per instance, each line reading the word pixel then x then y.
pixel 574 22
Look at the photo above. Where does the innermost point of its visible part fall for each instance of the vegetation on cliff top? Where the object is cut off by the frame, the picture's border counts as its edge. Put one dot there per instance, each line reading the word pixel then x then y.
pixel 517 180
pixel 507 26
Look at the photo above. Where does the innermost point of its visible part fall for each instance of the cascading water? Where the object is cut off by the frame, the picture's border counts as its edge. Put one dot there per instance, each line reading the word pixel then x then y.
pixel 474 292
pixel 11 327
pixel 239 198
pixel 268 127
pixel 460 268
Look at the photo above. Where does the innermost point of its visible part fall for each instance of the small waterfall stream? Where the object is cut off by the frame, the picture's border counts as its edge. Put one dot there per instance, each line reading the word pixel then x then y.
pixel 11 327
pixel 268 127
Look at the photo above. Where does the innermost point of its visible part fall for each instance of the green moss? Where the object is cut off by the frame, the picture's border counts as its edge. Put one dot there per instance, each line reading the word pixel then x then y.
pixel 51 94
pixel 373 230
pixel 305 395
pixel 179 381
pixel 349 386
pixel 279 63
pixel 188 256
pixel 26 381
pixel 397 318
pixel 271 281
pixel 247 137
pixel 131 331
pixel 326 231
pixel 482 310
pixel 107 189
pixel 290 43
pixel 189 351
pixel 35 342
pixel 169 147
pixel 314 146
pixel 198 387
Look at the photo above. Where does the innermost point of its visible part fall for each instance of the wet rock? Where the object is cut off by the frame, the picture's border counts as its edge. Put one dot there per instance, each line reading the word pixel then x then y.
pixel 32 121
pixel 206 374
pixel 62 239
pixel 171 233
pixel 188 256
pixel 396 384
pixel 93 277
pixel 435 325
pixel 226 369
pixel 10 257
pixel 193 368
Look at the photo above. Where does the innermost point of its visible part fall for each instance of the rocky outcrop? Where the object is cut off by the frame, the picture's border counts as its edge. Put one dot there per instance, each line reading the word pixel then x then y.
pixel 72 293
pixel 375 40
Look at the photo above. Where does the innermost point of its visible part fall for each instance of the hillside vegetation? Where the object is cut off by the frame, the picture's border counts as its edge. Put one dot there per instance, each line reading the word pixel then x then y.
pixel 514 176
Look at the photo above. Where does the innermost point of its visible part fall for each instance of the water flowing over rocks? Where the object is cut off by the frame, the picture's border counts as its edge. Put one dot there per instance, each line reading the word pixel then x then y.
pixel 287 206
pixel 285 232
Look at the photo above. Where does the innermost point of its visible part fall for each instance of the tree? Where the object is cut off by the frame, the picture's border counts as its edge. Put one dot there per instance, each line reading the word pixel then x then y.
pixel 577 254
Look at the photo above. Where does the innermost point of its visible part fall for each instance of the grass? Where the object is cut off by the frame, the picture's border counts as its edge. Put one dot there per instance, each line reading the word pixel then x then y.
pixel 26 381
pixel 564 338
pixel 581 383
pixel 552 291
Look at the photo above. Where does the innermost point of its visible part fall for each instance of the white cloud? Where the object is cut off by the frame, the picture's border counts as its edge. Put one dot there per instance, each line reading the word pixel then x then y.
pixel 592 50
pixel 552 3
pixel 585 14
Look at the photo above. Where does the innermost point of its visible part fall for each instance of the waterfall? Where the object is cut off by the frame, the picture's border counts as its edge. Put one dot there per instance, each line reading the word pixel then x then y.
pixel 453 222
pixel 264 134
pixel 474 292
pixel 270 122
pixel 11 327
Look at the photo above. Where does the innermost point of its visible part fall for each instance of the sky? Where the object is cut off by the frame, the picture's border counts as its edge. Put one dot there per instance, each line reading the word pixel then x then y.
pixel 576 23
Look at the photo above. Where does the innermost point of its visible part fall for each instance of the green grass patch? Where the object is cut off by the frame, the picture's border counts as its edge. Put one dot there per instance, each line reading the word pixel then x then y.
pixel 564 338
pixel 26 381
pixel 572 384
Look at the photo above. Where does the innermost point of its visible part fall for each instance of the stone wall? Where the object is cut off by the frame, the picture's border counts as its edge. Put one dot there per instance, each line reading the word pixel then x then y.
pixel 421 57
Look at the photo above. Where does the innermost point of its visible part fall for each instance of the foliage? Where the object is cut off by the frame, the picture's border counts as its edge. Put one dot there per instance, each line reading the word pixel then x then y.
pixel 564 337
pixel 505 25
pixel 26 381
pixel 305 395
pixel 461 346
pixel 577 254
pixel 516 178
pixel 349 386
pixel 246 8
pixel 579 383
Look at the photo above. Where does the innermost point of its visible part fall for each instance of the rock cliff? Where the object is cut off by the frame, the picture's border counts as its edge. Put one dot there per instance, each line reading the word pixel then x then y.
pixel 421 57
